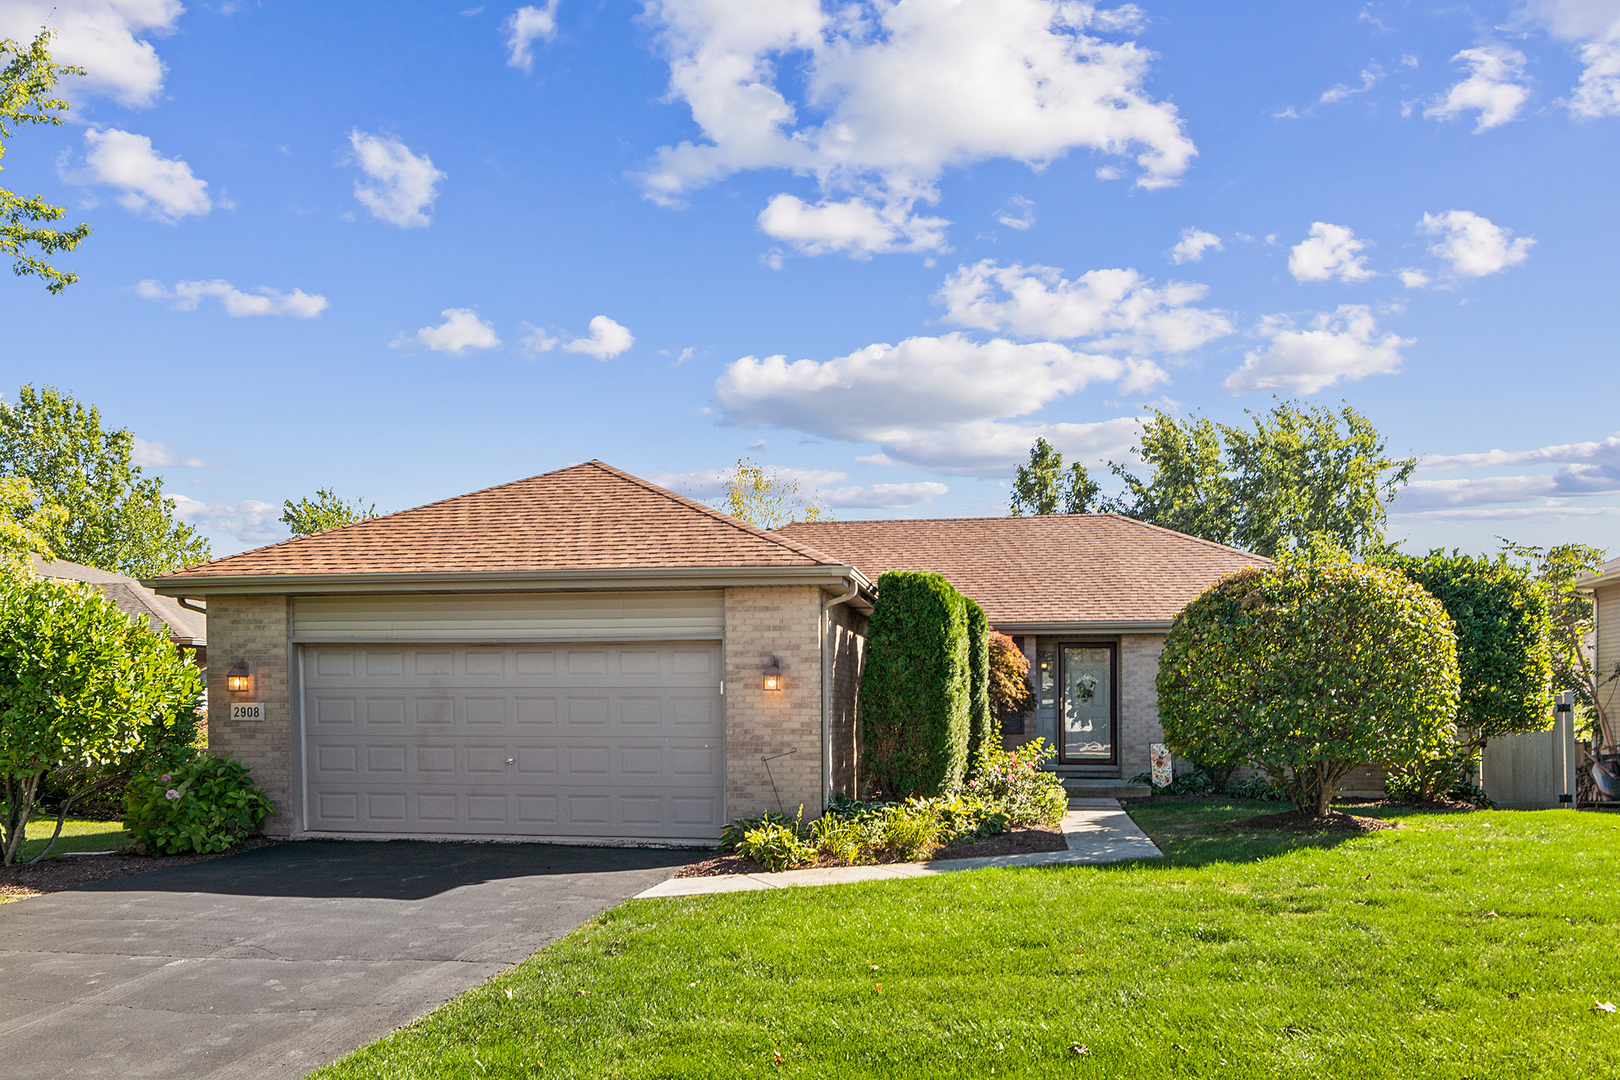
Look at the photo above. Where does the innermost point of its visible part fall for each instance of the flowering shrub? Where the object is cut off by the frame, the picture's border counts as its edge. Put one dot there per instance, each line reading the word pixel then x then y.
pixel 1013 783
pixel 198 803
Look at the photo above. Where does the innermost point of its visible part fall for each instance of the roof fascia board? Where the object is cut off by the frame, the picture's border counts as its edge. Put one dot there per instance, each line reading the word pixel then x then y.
pixel 1597 581
pixel 528 581
pixel 1051 629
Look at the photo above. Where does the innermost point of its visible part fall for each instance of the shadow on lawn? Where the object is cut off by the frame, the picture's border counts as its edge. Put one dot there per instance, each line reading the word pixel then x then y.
pixel 1200 832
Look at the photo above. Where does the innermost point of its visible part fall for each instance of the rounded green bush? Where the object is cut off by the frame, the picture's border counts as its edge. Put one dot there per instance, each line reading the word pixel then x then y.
pixel 1308 669
pixel 200 803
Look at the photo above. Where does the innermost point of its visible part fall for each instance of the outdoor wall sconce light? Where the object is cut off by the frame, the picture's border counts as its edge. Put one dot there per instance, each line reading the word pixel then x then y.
pixel 773 675
pixel 239 680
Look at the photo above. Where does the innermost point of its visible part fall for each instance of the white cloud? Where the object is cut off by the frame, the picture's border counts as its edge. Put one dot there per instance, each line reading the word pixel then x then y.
pixel 461 330
pixel 1413 278
pixel 402 185
pixel 1474 246
pixel 154 455
pixel 1495 88
pixel 881 496
pixel 1329 252
pixel 188 294
pixel 526 26
pixel 608 339
pixel 1344 344
pixel 901 92
pixel 1192 245
pixel 1370 77
pixel 1585 469
pixel 102 36
pixel 536 341
pixel 1019 213
pixel 1113 309
pixel 931 401
pixel 250 521
pixel 852 226
pixel 152 185
pixel 1593 26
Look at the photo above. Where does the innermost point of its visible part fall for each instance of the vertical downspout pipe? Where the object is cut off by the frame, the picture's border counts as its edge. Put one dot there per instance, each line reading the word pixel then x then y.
pixel 826 685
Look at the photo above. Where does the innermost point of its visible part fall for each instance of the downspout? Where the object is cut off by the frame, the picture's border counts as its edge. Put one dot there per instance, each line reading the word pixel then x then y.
pixel 826 686
pixel 185 602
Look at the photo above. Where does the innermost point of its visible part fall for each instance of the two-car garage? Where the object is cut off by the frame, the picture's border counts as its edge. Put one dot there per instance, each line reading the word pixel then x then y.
pixel 414 726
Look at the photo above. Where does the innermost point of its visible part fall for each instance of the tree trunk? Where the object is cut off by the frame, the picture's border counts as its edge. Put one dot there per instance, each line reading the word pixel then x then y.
pixel 1324 791
pixel 20 793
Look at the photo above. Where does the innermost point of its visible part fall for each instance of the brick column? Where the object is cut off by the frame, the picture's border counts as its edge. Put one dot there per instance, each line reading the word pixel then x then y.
pixel 255 629
pixel 762 622
pixel 1139 701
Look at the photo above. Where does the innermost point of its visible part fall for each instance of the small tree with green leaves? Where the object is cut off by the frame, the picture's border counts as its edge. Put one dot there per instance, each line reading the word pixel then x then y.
pixel 325 511
pixel 108 513
pixel 1042 487
pixel 1569 619
pixel 27 88
pixel 916 686
pixel 1503 657
pixel 81 684
pixel 766 498
pixel 1308 669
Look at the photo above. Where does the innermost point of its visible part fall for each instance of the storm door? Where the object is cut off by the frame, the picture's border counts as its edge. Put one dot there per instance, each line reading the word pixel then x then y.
pixel 1088 712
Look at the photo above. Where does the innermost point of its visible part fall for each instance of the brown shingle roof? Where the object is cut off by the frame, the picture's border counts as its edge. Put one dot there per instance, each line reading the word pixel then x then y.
pixel 185 627
pixel 582 518
pixel 1047 570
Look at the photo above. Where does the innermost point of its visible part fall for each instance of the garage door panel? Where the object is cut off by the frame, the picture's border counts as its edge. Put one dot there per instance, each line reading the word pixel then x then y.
pixel 515 740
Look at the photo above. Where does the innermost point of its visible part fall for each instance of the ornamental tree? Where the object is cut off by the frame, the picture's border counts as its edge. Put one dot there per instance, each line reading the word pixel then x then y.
pixel 1011 696
pixel 28 78
pixel 325 511
pixel 81 686
pixel 1308 669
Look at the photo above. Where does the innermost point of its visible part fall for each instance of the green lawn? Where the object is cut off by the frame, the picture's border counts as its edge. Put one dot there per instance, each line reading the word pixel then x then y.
pixel 1463 945
pixel 78 834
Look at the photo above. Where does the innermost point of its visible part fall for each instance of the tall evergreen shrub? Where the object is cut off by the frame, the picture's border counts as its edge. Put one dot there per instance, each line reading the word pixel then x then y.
pixel 916 686
pixel 981 722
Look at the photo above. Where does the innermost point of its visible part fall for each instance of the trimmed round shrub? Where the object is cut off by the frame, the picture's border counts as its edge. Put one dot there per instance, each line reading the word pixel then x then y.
pixel 200 803
pixel 1308 669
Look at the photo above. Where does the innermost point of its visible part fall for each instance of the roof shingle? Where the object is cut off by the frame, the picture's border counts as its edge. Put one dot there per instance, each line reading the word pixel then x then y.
pixel 1056 569
pixel 583 518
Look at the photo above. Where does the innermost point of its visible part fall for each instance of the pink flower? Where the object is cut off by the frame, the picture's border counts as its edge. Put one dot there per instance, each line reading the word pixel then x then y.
pixel 165 778
pixel 171 793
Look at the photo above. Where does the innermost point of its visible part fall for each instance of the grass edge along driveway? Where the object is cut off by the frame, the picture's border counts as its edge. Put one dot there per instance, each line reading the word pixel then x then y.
pixel 1460 945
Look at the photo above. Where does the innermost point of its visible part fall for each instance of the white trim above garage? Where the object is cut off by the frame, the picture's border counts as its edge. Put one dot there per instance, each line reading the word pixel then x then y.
pixel 672 615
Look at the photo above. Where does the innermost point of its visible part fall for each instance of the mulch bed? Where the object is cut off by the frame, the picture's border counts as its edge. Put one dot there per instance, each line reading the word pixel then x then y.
pixel 1294 821
pixel 1018 841
pixel 71 871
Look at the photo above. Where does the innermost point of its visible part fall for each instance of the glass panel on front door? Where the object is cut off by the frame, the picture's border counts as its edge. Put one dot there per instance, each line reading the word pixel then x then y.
pixel 1087 730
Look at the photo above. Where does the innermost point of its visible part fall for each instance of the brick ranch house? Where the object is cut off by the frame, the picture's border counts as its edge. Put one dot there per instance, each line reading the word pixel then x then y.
pixel 582 655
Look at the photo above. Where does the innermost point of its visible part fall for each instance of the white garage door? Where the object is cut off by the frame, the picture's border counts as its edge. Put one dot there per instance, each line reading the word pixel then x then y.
pixel 612 741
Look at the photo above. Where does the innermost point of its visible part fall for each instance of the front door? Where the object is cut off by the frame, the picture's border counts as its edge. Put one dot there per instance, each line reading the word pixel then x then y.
pixel 1087 708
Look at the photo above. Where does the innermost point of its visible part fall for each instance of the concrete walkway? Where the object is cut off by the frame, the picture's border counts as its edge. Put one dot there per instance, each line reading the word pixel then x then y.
pixel 1097 831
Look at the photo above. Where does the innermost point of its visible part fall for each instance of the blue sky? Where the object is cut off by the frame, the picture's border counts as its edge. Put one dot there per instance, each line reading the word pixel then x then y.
pixel 408 250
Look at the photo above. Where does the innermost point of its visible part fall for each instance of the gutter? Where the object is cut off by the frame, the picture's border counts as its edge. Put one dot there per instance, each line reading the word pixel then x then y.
pixel 719 577
pixel 1055 629
pixel 827 605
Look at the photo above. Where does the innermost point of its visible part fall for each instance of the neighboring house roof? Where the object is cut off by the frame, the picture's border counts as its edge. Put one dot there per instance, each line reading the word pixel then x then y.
pixel 185 627
pixel 1606 574
pixel 1053 570
pixel 589 520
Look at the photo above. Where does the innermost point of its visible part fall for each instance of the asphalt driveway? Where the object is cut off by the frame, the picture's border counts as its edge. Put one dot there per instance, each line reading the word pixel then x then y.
pixel 273 962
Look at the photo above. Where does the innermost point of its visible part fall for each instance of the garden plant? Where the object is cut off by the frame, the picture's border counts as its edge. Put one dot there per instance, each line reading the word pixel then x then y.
pixel 1307 669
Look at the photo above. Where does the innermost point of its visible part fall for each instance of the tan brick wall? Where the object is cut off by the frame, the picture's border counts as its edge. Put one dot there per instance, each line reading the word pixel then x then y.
pixel 254 628
pixel 847 639
pixel 762 622
pixel 1138 701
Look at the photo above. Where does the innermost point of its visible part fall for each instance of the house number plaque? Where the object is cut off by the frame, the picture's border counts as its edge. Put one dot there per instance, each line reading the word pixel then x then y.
pixel 247 710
